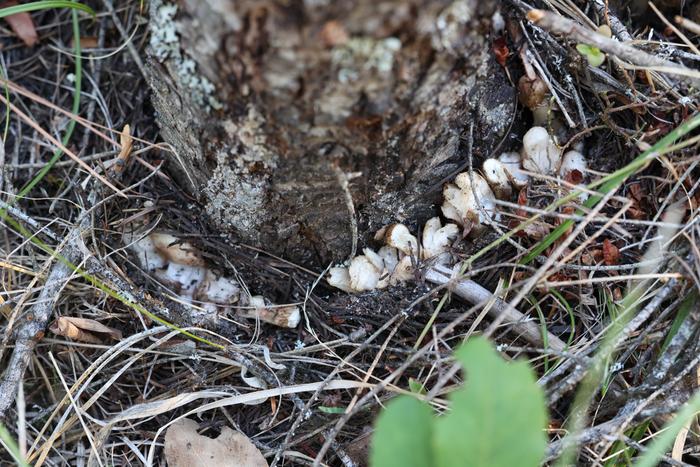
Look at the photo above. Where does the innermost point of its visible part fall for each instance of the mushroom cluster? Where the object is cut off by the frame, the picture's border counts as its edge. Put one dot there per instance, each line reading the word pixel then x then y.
pixel 395 261
pixel 180 266
pixel 470 201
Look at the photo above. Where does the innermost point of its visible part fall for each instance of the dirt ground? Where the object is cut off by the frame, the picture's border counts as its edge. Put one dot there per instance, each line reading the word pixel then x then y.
pixel 100 353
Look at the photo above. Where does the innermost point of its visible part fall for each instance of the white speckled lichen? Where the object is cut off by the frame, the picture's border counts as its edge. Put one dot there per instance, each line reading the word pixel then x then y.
pixel 165 45
pixel 237 197
pixel 364 53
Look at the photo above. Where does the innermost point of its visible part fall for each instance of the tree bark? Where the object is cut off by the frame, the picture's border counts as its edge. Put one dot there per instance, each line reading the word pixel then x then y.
pixel 304 126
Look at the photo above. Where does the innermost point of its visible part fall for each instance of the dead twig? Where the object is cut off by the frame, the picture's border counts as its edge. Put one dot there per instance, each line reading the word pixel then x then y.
pixel 33 326
pixel 474 293
pixel 555 23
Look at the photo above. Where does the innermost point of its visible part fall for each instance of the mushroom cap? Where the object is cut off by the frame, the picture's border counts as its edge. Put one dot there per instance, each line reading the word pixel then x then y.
pixel 339 277
pixel 398 236
pixel 219 290
pixel 573 160
pixel 363 274
pixel 512 165
pixel 403 271
pixel 540 154
pixel 390 256
pixel 497 177
pixel 460 204
pixel 436 238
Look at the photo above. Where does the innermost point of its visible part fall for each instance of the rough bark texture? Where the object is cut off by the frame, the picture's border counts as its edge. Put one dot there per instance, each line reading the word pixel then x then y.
pixel 308 95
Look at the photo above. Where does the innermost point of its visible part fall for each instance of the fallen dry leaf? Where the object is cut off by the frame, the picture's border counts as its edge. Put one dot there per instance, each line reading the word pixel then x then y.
pixel 173 249
pixel 22 25
pixel 184 447
pixel 611 254
pixel 333 33
pixel 86 42
pixel 83 329
pixel 126 143
pixel 500 50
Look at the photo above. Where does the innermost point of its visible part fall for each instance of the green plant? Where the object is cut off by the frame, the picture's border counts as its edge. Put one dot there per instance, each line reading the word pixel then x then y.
pixel 7 442
pixel 593 54
pixel 44 5
pixel 496 420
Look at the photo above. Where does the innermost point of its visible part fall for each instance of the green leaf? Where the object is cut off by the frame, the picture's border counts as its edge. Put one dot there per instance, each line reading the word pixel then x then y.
pixel 403 433
pixel 416 386
pixel 583 49
pixel 593 54
pixel 9 444
pixel 333 410
pixel 44 5
pixel 499 417
pixel 664 440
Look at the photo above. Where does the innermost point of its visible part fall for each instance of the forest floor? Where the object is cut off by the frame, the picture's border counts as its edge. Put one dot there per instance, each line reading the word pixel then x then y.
pixel 94 369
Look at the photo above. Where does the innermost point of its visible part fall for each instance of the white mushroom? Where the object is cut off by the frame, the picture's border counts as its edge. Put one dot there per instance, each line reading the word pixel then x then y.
pixel 339 277
pixel 573 170
pixel 286 316
pixel 363 274
pixel 376 260
pixel 182 277
pixel 497 177
pixel 147 254
pixel 540 154
pixel 390 255
pixel 460 204
pixel 573 160
pixel 219 290
pixel 403 271
pixel 512 165
pixel 173 249
pixel 437 239
pixel 399 237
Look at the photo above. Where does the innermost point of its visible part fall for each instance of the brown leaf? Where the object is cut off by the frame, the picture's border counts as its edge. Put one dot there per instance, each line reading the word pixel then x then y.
pixel 83 329
pixel 611 254
pixel 184 447
pixel 333 33
pixel 126 143
pixel 22 25
pixel 500 50
pixel 574 177
pixel 175 250
pixel 86 42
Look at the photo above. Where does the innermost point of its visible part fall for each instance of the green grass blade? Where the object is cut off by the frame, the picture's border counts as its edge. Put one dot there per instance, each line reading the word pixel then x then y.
pixel 661 443
pixel 74 109
pixel 614 181
pixel 98 283
pixel 45 5
pixel 10 446
pixel 683 312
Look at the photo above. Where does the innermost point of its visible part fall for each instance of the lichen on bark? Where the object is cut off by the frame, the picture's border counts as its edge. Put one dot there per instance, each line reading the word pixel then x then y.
pixel 382 92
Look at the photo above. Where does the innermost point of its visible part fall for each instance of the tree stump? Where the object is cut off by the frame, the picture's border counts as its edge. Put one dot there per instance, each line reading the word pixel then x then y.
pixel 304 126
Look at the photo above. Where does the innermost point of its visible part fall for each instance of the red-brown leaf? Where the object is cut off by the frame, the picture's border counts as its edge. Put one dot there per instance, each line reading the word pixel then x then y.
pixel 22 25
pixel 500 50
pixel 611 254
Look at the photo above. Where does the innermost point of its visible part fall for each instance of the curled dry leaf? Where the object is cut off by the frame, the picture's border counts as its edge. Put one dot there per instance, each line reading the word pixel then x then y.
pixel 22 24
pixel 334 34
pixel 173 249
pixel 83 329
pixel 500 50
pixel 611 254
pixel 126 142
pixel 531 91
pixel 286 316
pixel 184 447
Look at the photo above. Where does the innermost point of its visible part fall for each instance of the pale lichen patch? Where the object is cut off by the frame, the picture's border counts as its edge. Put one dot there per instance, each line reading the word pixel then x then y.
pixel 165 45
